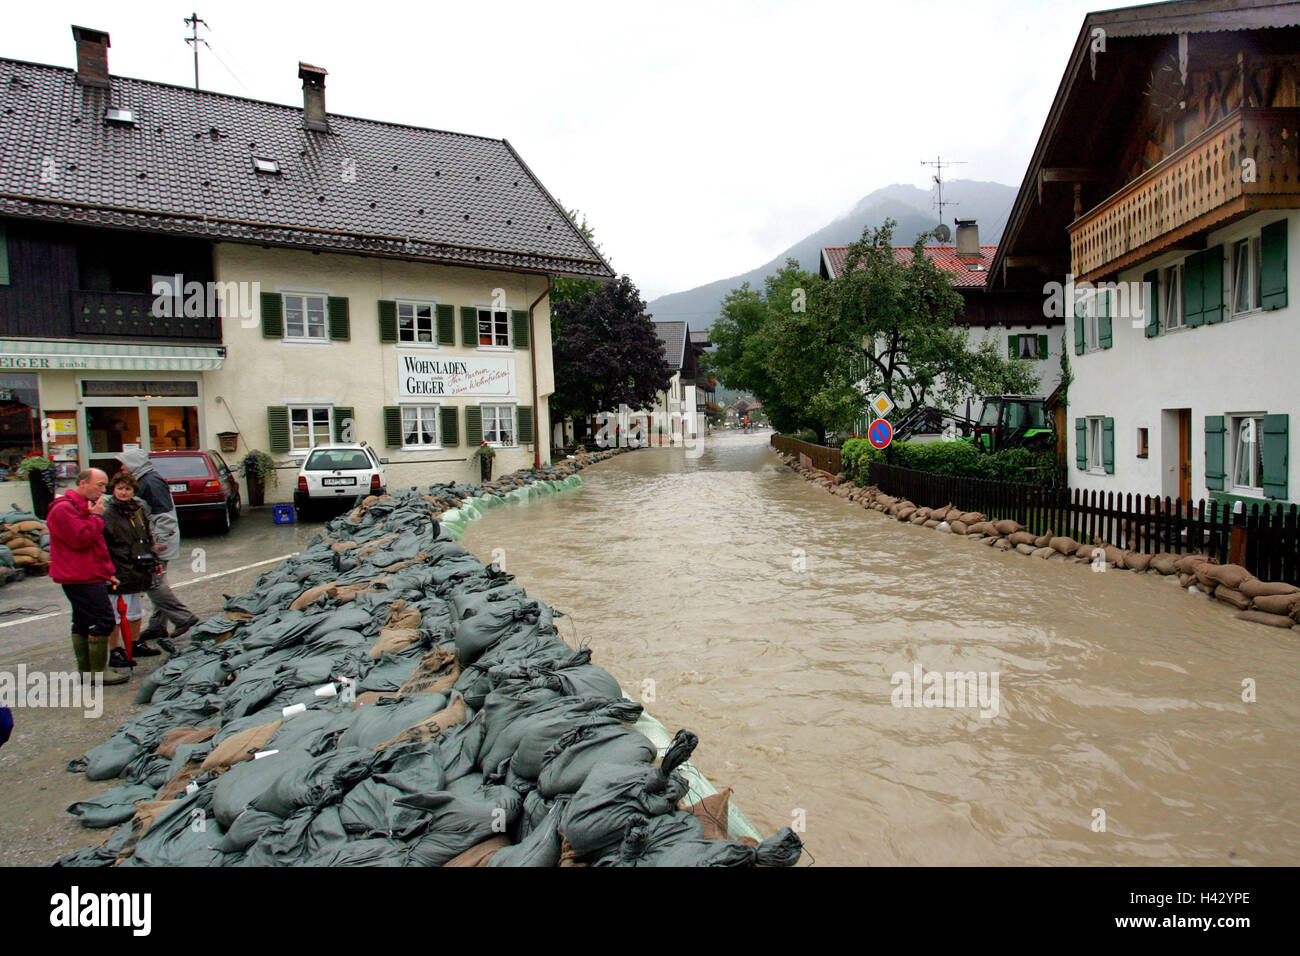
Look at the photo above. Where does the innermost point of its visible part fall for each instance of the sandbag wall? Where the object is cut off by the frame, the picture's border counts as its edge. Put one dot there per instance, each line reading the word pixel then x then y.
pixel 383 698
pixel 24 546
pixel 1273 603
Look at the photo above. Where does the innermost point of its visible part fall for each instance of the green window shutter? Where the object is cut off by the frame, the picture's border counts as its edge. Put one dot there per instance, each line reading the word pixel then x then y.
pixel 1214 438
pixel 1011 347
pixel 1273 264
pixel 473 426
pixel 1079 340
pixel 272 316
pixel 388 322
pixel 4 257
pixel 277 428
pixel 338 319
pixel 449 426
pixel 343 417
pixel 519 328
pixel 393 426
pixel 1043 347
pixel 1108 445
pixel 1212 283
pixel 1081 443
pixel 446 324
pixel 1276 451
pixel 525 421
pixel 469 326
pixel 1152 283
pixel 1193 291
pixel 1104 335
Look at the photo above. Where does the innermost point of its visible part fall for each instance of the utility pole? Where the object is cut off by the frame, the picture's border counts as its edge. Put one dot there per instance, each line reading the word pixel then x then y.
pixel 940 165
pixel 193 22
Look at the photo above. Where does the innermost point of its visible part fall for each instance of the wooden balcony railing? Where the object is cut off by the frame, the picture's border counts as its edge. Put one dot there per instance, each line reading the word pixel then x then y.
pixel 1205 182
pixel 129 315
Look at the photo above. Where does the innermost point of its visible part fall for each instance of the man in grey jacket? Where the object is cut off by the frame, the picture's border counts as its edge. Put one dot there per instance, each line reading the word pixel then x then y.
pixel 165 527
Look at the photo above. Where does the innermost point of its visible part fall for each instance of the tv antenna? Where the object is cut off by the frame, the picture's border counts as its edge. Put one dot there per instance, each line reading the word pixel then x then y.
pixel 940 164
pixel 193 40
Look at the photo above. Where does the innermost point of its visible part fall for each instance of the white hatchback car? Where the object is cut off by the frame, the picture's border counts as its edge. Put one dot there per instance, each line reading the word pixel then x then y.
pixel 338 473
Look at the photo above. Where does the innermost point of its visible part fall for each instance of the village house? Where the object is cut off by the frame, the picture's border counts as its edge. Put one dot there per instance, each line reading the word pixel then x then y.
pixel 1012 320
pixel 178 265
pixel 1159 214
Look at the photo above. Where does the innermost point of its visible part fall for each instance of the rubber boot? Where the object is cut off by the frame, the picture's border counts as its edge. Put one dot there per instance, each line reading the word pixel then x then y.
pixel 82 652
pixel 99 661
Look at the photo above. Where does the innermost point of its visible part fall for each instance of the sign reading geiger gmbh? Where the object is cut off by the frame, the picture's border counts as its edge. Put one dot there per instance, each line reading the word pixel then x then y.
pixel 421 376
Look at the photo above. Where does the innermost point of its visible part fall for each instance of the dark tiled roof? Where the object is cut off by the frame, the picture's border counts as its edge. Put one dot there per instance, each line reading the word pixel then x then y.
pixel 961 269
pixel 673 336
pixel 186 166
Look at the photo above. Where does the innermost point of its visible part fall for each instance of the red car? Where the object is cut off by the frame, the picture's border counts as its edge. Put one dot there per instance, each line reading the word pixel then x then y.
pixel 202 484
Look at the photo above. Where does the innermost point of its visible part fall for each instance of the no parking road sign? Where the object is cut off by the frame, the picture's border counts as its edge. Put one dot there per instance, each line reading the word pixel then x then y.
pixel 880 434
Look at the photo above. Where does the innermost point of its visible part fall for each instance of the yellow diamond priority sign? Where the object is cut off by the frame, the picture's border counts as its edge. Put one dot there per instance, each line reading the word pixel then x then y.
pixel 882 405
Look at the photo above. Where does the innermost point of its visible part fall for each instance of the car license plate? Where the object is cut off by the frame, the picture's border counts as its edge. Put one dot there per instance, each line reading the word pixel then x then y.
pixel 338 481
pixel 178 486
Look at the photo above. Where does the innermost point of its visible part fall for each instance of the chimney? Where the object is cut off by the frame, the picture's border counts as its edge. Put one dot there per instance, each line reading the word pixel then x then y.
pixel 313 97
pixel 92 56
pixel 968 239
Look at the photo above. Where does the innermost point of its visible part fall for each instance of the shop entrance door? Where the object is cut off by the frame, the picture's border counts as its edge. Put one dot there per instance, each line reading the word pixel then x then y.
pixel 112 430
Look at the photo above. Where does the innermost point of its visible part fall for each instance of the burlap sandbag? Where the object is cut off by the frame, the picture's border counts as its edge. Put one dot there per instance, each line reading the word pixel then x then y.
pixel 1232 596
pixel 1114 555
pixel 1262 617
pixel 1186 580
pixel 480 854
pixel 973 517
pixel 918 518
pixel 1002 544
pixel 1230 574
pixel 311 595
pixel 932 522
pixel 712 813
pixel 1043 553
pixel 958 526
pixel 240 746
pixel 1255 588
pixel 1188 563
pixel 1164 563
pixel 37 526
pixel 184 735
pixel 923 513
pixel 941 513
pixel 1136 562
pixel 1064 545
pixel 980 527
pixel 991 540
pixel 1007 526
pixel 393 640
pixel 1024 537
pixel 437 673
pixel 432 726
pixel 1043 541
pixel 1025 548
pixel 1276 603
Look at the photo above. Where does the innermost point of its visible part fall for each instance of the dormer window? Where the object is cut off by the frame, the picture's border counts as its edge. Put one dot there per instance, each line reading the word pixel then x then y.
pixel 265 165
pixel 120 114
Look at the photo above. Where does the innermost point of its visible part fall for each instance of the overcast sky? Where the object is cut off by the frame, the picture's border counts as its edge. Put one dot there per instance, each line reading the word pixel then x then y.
pixel 700 139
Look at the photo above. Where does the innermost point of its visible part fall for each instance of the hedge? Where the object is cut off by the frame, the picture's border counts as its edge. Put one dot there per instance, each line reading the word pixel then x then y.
pixel 955 458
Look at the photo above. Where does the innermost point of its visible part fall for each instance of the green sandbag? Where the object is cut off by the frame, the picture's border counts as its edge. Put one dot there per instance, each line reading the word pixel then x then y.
pixel 110 808
pixel 451 516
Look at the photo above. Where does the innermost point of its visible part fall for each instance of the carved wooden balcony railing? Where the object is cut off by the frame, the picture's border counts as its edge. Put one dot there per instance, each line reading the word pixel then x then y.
pixel 130 315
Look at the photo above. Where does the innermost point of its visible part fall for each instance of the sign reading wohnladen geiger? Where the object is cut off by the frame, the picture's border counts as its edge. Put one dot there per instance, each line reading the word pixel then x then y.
pixel 436 376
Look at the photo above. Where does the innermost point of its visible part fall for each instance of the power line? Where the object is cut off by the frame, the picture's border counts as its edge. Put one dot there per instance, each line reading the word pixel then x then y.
pixel 193 22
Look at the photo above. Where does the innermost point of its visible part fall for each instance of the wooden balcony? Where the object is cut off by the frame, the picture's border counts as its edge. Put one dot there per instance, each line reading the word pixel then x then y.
pixel 1201 186
pixel 129 315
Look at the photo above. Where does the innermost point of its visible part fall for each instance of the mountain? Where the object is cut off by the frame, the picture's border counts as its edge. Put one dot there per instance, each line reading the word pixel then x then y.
pixel 988 203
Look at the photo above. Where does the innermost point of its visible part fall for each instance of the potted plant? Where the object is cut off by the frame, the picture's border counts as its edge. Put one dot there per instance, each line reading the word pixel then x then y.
pixel 484 453
pixel 39 470
pixel 257 467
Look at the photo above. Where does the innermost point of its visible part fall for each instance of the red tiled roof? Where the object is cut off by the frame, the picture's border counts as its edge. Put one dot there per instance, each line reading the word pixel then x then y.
pixel 960 269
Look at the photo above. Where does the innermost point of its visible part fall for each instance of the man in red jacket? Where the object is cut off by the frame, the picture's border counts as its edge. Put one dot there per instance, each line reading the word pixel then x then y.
pixel 79 561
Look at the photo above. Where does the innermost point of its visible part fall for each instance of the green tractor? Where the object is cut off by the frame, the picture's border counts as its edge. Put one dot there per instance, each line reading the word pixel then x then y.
pixel 1013 421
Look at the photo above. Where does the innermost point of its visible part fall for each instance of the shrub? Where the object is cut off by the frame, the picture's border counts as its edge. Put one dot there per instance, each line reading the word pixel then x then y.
pixel 955 458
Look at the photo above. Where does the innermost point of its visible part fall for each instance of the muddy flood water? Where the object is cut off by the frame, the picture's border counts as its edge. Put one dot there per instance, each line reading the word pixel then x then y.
pixel 769 617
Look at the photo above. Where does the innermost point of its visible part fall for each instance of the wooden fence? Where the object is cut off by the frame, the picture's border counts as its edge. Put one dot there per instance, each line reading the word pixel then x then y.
pixel 827 459
pixel 1266 539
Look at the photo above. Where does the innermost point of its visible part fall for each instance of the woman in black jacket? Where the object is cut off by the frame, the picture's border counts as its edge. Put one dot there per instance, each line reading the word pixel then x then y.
pixel 130 544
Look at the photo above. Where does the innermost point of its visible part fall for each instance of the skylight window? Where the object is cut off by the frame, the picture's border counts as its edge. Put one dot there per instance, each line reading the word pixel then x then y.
pixel 264 165
pixel 120 114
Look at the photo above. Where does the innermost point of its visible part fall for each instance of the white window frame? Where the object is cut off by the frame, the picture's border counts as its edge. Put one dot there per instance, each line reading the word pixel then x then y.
pixel 414 305
pixel 1020 346
pixel 1249 245
pixel 1092 321
pixel 509 343
pixel 1173 295
pixel 514 424
pixel 311 426
pixel 306 322
pixel 1255 471
pixel 1096 438
pixel 436 412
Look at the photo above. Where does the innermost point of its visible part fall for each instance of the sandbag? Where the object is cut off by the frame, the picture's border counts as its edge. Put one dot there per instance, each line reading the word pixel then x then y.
pixel 1135 561
pixel 1275 603
pixel 1008 527
pixel 1232 596
pixel 1231 575
pixel 1163 563
pixel 1188 563
pixel 1255 588
pixel 480 854
pixel 109 809
pixel 1023 537
pixel 572 757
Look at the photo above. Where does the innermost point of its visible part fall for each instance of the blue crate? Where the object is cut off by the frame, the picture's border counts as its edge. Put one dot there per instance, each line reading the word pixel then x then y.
pixel 283 514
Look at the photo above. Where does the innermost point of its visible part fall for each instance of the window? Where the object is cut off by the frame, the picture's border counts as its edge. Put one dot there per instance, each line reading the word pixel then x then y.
pixel 309 427
pixel 1245 276
pixel 304 317
pixel 419 424
pixel 1248 451
pixel 499 424
pixel 263 164
pixel 1143 443
pixel 1027 347
pixel 415 323
pixel 1095 444
pixel 494 327
pixel 1092 309
pixel 1173 304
